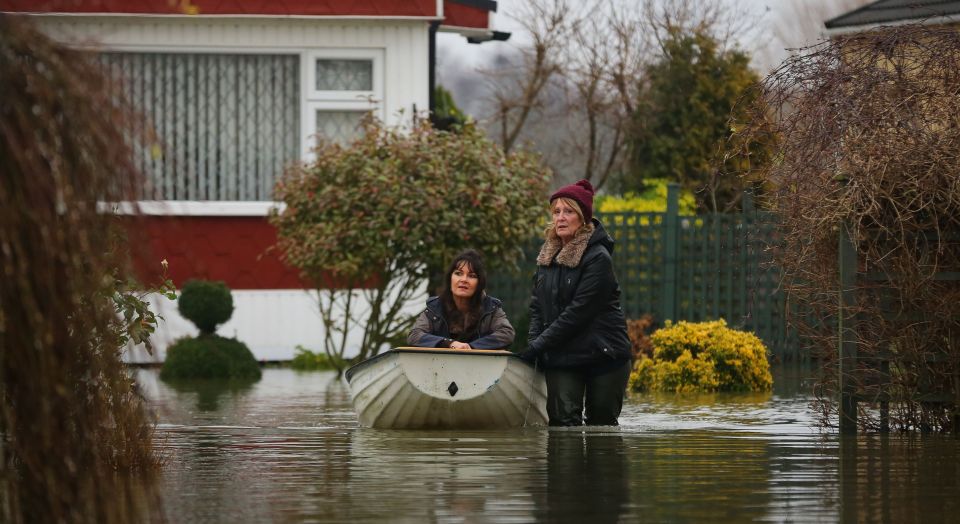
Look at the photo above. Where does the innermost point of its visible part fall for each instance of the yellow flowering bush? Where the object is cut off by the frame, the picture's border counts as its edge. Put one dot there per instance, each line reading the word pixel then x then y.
pixel 703 357
pixel 652 199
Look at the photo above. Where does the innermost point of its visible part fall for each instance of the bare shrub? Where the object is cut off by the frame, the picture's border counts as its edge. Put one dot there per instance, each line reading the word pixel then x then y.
pixel 870 127
pixel 76 440
pixel 638 330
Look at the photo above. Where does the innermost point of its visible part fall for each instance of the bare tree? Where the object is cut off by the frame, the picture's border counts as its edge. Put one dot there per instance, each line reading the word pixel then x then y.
pixel 574 87
pixel 518 90
pixel 866 180
pixel 726 22
pixel 602 76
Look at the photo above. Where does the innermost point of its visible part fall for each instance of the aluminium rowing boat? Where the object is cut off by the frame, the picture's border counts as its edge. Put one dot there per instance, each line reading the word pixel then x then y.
pixel 420 388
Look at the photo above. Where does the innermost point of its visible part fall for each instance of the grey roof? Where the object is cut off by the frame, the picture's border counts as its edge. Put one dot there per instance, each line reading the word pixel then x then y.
pixel 887 11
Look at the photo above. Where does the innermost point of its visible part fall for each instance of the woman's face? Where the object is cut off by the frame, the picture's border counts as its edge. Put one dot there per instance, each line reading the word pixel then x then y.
pixel 566 221
pixel 463 281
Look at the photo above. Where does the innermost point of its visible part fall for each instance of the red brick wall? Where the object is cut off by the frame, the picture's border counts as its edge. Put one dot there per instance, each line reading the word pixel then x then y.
pixel 236 250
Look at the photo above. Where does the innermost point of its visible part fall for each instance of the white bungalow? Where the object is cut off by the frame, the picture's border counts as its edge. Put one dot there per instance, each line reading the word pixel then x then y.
pixel 237 89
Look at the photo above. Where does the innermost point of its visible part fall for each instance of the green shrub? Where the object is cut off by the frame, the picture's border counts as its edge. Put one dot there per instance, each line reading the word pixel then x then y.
pixel 345 224
pixel 703 357
pixel 306 360
pixel 209 356
pixel 446 115
pixel 205 303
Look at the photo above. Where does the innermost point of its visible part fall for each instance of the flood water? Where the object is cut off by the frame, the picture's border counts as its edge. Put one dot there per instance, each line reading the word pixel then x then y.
pixel 289 449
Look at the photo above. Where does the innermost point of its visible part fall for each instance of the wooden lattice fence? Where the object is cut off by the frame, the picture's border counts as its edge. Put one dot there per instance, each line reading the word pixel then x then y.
pixel 676 267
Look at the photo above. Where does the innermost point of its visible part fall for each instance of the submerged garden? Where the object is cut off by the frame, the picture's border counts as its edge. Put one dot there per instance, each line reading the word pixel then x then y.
pixel 847 154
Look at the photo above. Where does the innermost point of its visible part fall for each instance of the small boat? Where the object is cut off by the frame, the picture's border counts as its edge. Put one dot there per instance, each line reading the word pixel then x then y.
pixel 421 388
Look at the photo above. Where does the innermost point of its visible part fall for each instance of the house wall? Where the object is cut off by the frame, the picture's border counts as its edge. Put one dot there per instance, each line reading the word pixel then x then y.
pixel 224 240
pixel 272 323
pixel 404 44
pixel 236 250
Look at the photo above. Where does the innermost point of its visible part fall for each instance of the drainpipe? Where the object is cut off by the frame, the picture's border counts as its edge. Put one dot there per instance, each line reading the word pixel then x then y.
pixel 432 59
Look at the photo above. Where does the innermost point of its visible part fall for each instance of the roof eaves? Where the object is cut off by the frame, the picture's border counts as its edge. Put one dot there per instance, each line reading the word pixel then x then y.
pixel 849 29
pixel 830 23
pixel 486 5
pixel 890 11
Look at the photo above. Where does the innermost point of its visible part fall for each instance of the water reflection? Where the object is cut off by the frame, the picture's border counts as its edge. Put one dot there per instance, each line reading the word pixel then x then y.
pixel 447 476
pixel 587 477
pixel 700 476
pixel 288 449
pixel 885 478
pixel 208 392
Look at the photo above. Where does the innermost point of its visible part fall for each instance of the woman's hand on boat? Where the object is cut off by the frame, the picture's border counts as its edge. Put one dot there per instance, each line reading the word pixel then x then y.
pixel 529 354
pixel 459 345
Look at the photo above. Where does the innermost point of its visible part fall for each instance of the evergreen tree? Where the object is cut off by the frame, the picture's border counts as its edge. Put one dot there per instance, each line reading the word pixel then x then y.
pixel 683 124
pixel 446 115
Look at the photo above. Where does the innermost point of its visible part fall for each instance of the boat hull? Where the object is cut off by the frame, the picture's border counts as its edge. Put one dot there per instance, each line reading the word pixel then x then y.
pixel 419 388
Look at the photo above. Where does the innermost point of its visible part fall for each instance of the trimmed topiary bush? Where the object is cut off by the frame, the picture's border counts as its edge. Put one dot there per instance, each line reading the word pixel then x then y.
pixel 205 303
pixel 210 356
pixel 703 357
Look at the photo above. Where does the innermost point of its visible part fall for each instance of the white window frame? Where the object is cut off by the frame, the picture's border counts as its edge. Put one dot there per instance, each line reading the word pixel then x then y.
pixel 314 100
pixel 311 100
pixel 375 56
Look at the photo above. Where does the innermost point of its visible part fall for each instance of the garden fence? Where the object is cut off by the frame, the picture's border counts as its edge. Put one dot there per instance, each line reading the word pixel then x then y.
pixel 676 267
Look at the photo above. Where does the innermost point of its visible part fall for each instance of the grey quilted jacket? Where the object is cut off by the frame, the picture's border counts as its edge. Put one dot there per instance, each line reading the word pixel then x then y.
pixel 493 330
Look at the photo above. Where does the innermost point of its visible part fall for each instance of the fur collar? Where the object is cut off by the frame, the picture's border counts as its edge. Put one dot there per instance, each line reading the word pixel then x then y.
pixel 571 253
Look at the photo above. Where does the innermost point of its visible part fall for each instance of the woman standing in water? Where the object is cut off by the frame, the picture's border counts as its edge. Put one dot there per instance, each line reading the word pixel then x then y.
pixel 578 333
pixel 463 316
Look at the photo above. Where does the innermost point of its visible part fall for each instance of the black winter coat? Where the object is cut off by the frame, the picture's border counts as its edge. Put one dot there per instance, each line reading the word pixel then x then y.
pixel 575 314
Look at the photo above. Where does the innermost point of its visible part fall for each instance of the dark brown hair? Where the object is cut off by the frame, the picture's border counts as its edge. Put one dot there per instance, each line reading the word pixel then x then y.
pixel 475 261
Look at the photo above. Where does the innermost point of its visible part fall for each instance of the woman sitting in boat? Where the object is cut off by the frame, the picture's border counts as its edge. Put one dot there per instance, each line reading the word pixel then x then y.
pixel 463 316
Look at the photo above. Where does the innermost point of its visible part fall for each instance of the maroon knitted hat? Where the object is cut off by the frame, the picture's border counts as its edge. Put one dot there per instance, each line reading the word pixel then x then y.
pixel 582 193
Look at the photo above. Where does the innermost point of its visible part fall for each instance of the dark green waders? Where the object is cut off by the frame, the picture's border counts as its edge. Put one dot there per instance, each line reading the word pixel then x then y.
pixel 568 389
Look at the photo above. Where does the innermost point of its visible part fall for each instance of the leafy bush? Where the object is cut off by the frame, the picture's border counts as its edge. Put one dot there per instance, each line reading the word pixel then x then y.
pixel 703 357
pixel 205 303
pixel 209 356
pixel 379 217
pixel 306 360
